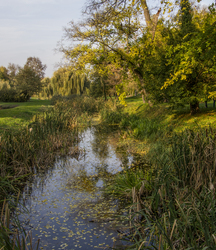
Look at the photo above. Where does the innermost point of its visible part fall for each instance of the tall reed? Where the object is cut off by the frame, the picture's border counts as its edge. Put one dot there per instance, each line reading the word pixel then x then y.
pixel 12 235
pixel 36 146
pixel 178 212
pixel 23 151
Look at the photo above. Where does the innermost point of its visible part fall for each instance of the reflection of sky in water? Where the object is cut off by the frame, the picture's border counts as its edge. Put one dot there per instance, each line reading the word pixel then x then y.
pixel 91 159
pixel 65 217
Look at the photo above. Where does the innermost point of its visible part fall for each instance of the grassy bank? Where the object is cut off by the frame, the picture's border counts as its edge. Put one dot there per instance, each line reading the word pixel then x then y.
pixel 34 142
pixel 16 115
pixel 171 191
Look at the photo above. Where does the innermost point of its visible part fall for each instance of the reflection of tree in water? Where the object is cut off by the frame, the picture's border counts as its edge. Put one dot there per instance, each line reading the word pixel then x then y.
pixel 103 139
pixel 81 180
pixel 100 144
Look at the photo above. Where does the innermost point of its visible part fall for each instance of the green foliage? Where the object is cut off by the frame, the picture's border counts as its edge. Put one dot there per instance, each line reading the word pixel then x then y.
pixel 8 93
pixel 22 82
pixel 123 182
pixel 112 114
pixel 66 82
pixel 192 67
pixel 174 63
pixel 4 76
pixel 193 155
pixel 36 65
pixel 185 20
pixel 47 90
pixel 95 89
pixel 81 104
pixel 139 128
pixel 28 83
pixel 145 128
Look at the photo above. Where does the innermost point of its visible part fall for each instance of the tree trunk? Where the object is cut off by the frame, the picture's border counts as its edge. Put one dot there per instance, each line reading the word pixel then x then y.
pixel 150 22
pixel 143 91
pixel 104 88
pixel 206 104
pixel 213 103
pixel 143 98
pixel 194 107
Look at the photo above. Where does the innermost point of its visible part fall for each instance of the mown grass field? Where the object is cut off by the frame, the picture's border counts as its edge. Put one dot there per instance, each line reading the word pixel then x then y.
pixel 14 115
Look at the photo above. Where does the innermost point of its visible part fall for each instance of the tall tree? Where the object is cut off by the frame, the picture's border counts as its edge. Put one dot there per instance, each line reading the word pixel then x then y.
pixel 66 82
pixel 12 71
pixel 192 60
pixel 114 25
pixel 36 65
pixel 4 74
pixel 28 83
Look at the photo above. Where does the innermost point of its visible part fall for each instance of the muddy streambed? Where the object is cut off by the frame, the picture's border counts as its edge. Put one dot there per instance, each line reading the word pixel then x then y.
pixel 66 207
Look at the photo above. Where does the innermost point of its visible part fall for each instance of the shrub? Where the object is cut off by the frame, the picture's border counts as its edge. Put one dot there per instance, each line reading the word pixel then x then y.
pixel 10 94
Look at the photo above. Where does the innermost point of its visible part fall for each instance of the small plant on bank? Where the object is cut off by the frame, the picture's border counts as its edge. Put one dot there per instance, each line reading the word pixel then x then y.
pixel 112 113
pixel 82 104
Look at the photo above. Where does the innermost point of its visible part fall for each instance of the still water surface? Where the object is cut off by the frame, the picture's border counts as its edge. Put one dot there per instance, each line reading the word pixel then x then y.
pixel 67 208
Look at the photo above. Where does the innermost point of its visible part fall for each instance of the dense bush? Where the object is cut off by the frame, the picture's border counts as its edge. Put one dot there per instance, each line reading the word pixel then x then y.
pixel 82 104
pixel 10 94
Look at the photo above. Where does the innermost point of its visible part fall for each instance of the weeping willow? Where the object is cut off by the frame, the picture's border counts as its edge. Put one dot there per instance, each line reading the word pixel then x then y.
pixel 66 82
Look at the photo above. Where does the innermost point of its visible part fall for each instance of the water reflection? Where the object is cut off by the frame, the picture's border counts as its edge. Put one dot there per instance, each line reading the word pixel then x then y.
pixel 67 209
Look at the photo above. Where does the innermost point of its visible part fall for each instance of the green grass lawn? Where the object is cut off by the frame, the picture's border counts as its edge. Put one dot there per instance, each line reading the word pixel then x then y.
pixel 180 118
pixel 18 114
pixel 15 115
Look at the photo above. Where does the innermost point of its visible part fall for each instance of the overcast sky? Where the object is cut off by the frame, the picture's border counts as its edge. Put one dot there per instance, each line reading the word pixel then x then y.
pixel 33 28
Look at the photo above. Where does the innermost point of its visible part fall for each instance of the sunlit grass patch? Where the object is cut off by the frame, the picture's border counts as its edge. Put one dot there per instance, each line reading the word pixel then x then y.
pixel 178 117
pixel 21 113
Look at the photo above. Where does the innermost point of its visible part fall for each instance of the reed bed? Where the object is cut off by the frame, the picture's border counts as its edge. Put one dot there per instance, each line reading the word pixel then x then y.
pixel 51 133
pixel 12 235
pixel 25 151
pixel 174 206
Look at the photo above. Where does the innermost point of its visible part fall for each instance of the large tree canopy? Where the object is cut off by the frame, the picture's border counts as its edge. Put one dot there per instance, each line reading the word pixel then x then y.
pixel 36 65
pixel 113 27
pixel 28 83
pixel 4 74
pixel 192 60
pixel 170 58
pixel 24 82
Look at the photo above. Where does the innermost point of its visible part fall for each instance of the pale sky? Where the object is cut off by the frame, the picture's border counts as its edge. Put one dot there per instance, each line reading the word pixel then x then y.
pixel 32 28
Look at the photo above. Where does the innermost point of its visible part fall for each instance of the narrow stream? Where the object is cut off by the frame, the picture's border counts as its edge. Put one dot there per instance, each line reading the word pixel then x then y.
pixel 67 208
